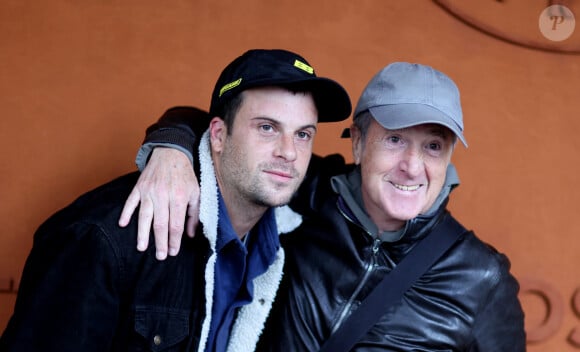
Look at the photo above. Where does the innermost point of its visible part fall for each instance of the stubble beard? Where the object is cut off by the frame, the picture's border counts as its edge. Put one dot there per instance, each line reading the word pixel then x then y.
pixel 252 186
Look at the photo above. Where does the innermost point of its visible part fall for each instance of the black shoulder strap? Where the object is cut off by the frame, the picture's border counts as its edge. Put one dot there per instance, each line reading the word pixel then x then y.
pixel 394 285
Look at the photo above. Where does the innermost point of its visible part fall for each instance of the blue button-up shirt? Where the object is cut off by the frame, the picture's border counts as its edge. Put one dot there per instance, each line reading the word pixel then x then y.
pixel 237 264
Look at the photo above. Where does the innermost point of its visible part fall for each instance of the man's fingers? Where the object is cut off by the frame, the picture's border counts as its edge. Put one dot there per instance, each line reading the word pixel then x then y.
pixel 192 222
pixel 160 228
pixel 144 224
pixel 176 222
pixel 174 243
pixel 193 211
pixel 129 207
pixel 164 188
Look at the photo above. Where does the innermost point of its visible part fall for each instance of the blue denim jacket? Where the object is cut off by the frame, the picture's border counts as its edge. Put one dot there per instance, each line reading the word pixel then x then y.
pixel 86 288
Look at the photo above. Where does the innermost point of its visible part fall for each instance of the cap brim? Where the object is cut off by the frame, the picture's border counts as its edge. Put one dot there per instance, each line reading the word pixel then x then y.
pixel 397 116
pixel 331 100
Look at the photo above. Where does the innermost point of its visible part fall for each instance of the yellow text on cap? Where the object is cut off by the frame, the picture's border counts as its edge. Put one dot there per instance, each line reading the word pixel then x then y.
pixel 230 85
pixel 304 67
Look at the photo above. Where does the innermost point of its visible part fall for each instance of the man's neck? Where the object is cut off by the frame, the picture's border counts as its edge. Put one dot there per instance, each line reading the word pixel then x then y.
pixel 242 213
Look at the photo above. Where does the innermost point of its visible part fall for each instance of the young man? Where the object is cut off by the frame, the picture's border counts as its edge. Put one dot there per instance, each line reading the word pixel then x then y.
pixel 363 222
pixel 86 288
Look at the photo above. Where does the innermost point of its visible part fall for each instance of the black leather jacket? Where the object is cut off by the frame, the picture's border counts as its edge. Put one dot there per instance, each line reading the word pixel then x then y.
pixel 466 302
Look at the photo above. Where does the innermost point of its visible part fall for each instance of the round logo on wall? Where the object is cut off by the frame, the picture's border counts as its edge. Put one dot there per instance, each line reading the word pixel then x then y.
pixel 557 23
pixel 548 25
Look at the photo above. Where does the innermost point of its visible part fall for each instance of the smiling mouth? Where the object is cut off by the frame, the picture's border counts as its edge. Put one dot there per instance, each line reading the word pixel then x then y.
pixel 406 188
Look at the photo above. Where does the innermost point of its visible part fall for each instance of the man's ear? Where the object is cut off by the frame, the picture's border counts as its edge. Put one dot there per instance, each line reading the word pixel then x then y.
pixel 217 134
pixel 357 147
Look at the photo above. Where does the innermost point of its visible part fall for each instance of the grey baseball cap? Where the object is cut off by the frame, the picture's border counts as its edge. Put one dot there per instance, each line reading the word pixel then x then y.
pixel 404 94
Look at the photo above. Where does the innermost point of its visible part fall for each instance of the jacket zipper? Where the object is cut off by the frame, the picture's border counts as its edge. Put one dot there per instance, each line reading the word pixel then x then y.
pixel 368 270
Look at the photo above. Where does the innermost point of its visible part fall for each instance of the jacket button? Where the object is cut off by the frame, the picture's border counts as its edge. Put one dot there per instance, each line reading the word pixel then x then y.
pixel 262 301
pixel 157 340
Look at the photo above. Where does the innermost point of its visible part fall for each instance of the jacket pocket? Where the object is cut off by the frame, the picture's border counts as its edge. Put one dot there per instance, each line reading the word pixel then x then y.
pixel 161 327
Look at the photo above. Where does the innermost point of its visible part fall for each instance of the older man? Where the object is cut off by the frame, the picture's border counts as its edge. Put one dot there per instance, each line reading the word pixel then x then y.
pixel 364 221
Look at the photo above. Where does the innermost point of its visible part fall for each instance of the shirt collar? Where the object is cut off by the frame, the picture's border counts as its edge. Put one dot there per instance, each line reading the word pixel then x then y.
pixel 226 232
pixel 263 236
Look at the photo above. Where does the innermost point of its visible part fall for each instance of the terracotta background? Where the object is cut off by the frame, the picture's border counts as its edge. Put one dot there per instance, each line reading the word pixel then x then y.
pixel 80 81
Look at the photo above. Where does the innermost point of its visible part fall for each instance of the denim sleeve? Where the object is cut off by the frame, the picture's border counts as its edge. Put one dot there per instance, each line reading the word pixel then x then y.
pixel 179 128
pixel 69 297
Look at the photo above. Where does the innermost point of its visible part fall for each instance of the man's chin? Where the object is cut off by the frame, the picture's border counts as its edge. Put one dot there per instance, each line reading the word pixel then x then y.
pixel 279 200
pixel 406 215
pixel 274 201
pixel 280 203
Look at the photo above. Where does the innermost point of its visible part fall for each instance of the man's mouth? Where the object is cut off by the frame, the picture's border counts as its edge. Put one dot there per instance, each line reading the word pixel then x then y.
pixel 407 188
pixel 280 173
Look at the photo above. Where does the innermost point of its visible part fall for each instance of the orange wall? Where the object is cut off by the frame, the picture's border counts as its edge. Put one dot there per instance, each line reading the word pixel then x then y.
pixel 81 81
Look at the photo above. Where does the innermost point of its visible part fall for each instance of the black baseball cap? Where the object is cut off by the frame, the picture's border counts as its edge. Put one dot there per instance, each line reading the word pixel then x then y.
pixel 276 67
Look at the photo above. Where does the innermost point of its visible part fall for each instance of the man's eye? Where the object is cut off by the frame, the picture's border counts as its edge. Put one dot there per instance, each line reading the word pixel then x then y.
pixel 434 146
pixel 266 128
pixel 394 139
pixel 304 135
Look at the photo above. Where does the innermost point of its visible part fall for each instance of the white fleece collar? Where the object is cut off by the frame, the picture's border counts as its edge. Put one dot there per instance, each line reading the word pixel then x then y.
pixel 251 318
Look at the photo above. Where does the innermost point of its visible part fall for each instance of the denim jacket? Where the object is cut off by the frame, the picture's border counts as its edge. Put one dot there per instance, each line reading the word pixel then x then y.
pixel 85 287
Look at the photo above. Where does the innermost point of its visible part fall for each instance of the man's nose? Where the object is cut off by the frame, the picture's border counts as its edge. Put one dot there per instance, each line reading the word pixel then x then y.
pixel 287 148
pixel 412 162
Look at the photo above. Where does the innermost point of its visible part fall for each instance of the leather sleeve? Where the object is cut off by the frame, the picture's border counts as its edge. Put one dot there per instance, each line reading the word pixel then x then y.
pixel 499 326
pixel 316 187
